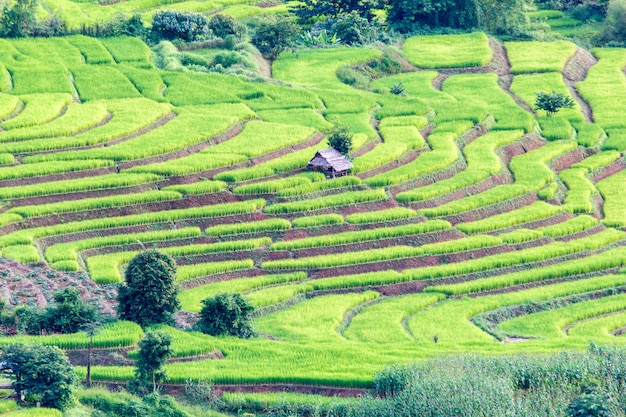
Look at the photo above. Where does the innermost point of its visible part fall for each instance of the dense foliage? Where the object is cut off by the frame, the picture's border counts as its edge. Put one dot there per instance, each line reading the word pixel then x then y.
pixel 187 26
pixel 226 314
pixel 110 404
pixel 274 35
pixel 68 314
pixel 498 16
pixel 40 373
pixel 149 294
pixel 308 9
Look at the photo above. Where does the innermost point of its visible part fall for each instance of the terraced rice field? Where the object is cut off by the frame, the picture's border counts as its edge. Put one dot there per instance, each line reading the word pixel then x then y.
pixel 463 202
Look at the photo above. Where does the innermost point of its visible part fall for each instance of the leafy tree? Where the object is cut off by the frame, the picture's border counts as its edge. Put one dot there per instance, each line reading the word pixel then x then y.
pixel 614 32
pixel 154 349
pixel 553 102
pixel 149 294
pixel 223 25
pixel 340 139
pixel 187 26
pixel 41 371
pixel 19 20
pixel 308 9
pixel 226 314
pixel 275 35
pixel 354 29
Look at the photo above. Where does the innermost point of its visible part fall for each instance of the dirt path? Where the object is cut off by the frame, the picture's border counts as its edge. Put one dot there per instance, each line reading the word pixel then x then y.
pixel 575 71
pixel 265 66
pixel 501 66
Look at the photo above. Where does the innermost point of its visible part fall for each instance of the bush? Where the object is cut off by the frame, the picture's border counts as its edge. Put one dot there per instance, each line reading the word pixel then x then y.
pixel 226 314
pixel 187 26
pixel 274 35
pixel 353 29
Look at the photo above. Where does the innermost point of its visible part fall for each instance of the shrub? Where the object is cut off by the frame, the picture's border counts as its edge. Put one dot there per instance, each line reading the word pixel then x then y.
pixel 226 314
pixel 340 139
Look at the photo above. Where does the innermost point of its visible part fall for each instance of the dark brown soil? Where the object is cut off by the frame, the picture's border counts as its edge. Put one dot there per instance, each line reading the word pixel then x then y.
pixel 575 71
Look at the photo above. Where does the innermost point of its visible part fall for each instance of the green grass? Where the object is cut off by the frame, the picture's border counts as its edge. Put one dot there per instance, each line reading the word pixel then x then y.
pixel 580 190
pixel 536 211
pixel 448 51
pixel 316 221
pixel 397 213
pixel 528 86
pixel 251 227
pixel 39 109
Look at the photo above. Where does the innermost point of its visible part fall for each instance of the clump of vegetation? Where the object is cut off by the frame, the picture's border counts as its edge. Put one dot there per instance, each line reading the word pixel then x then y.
pixel 226 314
pixel 186 26
pixel 274 35
pixel 149 295
pixel 68 314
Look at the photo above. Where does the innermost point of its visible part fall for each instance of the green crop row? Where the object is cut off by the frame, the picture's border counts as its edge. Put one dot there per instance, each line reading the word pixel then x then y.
pixel 6 159
pixel 120 200
pixel 524 256
pixel 616 139
pixel 396 213
pixel 520 236
pixel 69 251
pixel 39 109
pixel 190 299
pixel 383 254
pixel 315 221
pixel 188 272
pixel 49 168
pixel 337 200
pixel 580 190
pixel 481 163
pixel 77 117
pixel 598 160
pixel 118 334
pixel 21 253
pixel 552 323
pixel 483 93
pixel 448 51
pixel 191 126
pixel 258 138
pixel 556 128
pixel 289 162
pixel 575 225
pixel 128 116
pixel 588 134
pixel 530 169
pixel 612 189
pixel 104 269
pixel 340 182
pixel 495 195
pixel 536 211
pixel 249 227
pixel 184 343
pixel 529 57
pixel 444 153
pixel 102 82
pixel 76 185
pixel 362 235
pixel 610 259
pixel 267 296
pixel 8 104
pixel 92 49
pixel 201 187
pixel 272 186
pixel 302 117
pixel 607 104
pixel 27 236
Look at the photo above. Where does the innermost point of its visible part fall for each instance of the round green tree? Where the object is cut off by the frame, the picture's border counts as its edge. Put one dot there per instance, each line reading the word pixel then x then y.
pixel 42 372
pixel 149 294
pixel 226 314
pixel 154 349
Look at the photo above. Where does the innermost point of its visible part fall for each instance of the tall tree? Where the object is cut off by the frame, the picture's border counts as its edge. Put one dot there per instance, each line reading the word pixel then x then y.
pixel 274 35
pixel 149 295
pixel 42 371
pixel 154 349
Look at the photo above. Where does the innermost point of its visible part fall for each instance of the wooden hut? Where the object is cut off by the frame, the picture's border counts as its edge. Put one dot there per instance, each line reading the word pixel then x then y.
pixel 330 162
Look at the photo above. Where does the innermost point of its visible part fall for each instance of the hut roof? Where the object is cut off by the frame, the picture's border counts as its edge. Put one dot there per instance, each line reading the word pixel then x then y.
pixel 331 158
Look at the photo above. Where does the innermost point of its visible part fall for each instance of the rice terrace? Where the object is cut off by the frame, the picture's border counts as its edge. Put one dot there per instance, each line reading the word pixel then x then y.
pixel 472 222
